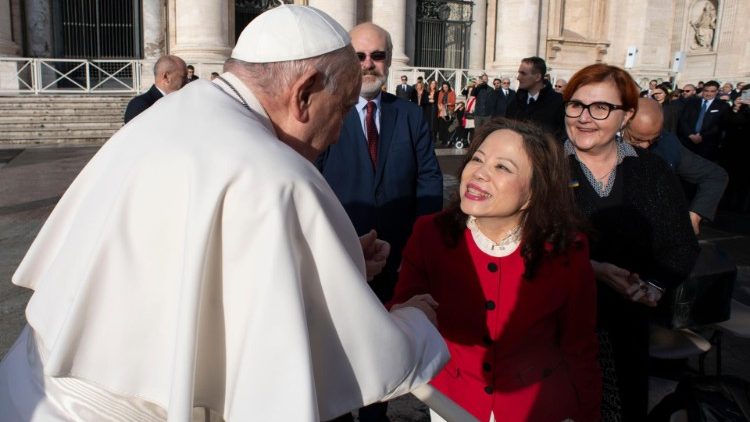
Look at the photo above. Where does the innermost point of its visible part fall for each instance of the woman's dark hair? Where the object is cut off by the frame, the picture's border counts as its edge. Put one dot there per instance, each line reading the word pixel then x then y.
pixel 446 83
pixel 550 223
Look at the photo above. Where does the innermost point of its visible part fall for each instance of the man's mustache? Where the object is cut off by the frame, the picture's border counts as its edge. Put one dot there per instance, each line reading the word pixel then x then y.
pixel 371 72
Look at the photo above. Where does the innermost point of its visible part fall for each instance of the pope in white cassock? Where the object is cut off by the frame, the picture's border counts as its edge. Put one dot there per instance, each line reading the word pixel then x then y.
pixel 201 261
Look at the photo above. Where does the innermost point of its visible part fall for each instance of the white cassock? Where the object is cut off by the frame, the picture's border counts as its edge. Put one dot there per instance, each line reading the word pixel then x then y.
pixel 199 261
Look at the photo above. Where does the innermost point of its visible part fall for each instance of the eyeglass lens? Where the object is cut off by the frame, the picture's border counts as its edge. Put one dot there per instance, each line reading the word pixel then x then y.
pixel 376 56
pixel 598 110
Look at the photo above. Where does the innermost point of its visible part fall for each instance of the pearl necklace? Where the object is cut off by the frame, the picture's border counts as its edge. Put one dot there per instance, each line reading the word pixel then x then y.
pixel 504 247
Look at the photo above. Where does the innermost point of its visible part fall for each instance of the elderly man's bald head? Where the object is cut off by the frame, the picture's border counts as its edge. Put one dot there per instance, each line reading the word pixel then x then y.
pixel 169 73
pixel 645 126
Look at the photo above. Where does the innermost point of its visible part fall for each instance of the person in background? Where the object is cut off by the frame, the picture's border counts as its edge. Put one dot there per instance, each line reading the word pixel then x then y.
pixel 169 76
pixel 735 152
pixel 646 131
pixel 432 101
pixel 560 85
pixel 214 75
pixel 644 242
pixel 536 101
pixel 191 76
pixel 701 125
pixel 670 110
pixel 509 266
pixel 446 106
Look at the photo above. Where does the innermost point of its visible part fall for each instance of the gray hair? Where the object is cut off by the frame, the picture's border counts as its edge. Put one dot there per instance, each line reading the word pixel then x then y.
pixel 267 76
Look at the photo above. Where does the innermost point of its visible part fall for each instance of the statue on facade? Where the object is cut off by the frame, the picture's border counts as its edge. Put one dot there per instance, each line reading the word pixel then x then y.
pixel 705 27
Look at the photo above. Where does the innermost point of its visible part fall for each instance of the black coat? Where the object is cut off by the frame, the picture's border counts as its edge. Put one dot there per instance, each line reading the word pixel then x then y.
pixel 547 111
pixel 140 103
pixel 502 101
pixel 711 130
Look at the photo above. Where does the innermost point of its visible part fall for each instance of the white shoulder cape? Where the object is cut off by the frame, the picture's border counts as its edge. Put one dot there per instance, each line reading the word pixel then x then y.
pixel 197 260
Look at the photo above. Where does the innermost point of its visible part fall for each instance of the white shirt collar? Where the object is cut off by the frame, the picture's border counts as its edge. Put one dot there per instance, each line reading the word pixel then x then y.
pixel 362 110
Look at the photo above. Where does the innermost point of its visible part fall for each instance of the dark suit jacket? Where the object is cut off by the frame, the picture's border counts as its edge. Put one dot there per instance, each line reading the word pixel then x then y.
pixel 547 111
pixel 502 102
pixel 406 183
pixel 140 103
pixel 708 176
pixel 711 130
pixel 404 94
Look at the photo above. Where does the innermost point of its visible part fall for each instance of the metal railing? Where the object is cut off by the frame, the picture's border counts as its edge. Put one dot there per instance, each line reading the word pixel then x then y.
pixel 69 76
pixel 457 78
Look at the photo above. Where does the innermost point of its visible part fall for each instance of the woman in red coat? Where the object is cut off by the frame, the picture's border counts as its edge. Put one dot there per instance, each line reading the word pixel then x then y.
pixel 511 274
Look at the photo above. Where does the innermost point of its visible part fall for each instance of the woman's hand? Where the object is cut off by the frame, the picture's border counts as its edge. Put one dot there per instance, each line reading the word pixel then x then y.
pixel 424 303
pixel 628 284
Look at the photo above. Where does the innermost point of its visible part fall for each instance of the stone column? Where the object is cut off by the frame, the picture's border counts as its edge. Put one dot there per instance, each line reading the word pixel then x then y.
pixel 344 12
pixel 38 28
pixel 199 30
pixel 7 46
pixel 477 37
pixel 516 34
pixel 154 38
pixel 391 15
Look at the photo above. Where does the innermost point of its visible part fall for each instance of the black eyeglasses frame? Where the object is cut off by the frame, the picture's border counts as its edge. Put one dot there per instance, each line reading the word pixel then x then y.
pixel 610 107
pixel 376 56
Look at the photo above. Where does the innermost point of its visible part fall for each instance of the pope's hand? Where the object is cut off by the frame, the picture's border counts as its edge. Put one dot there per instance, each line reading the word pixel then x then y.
pixel 375 251
pixel 424 303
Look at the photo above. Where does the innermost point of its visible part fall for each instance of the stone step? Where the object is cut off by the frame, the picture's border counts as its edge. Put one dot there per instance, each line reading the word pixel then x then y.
pixel 57 126
pixel 105 116
pixel 71 140
pixel 70 98
pixel 60 105
pixel 55 133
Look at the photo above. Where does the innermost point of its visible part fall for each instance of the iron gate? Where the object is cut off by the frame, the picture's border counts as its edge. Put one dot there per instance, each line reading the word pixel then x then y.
pixel 247 10
pixel 443 30
pixel 106 30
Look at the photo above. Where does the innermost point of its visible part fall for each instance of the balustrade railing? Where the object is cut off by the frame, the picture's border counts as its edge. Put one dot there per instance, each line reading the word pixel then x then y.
pixel 77 76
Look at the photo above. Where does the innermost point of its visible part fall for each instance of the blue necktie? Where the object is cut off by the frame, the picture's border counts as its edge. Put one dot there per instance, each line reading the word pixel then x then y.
pixel 701 115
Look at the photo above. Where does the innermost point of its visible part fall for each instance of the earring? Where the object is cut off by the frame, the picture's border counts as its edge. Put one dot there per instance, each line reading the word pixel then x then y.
pixel 618 136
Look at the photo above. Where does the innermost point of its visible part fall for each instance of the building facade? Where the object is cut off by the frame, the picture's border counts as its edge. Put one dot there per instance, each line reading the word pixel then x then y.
pixel 682 40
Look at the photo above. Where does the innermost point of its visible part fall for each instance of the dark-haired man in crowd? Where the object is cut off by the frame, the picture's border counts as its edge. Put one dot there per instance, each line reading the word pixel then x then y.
pixel 700 124
pixel 536 101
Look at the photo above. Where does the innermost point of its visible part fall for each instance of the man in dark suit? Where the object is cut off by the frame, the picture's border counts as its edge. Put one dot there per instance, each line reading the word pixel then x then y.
pixel 505 96
pixel 701 123
pixel 535 100
pixel 383 168
pixel 169 76
pixel 404 90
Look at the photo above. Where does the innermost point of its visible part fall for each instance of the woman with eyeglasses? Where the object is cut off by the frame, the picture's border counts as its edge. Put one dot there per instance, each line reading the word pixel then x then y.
pixel 642 241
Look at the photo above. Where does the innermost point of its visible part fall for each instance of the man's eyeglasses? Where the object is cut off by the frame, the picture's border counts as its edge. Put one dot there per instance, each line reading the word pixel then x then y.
pixel 376 56
pixel 598 110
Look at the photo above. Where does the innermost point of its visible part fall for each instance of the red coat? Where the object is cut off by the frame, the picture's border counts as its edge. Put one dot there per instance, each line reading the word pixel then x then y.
pixel 525 350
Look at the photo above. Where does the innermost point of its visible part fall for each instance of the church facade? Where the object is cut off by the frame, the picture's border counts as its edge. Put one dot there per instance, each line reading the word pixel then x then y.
pixel 679 40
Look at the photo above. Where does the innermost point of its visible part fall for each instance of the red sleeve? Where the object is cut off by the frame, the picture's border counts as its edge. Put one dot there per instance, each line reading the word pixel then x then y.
pixel 412 277
pixel 578 339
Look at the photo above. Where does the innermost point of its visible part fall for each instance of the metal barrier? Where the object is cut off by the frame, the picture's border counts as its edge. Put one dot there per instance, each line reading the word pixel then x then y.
pixel 457 78
pixel 64 76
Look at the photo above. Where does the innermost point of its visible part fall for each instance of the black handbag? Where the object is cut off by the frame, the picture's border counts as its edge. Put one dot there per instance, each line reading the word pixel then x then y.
pixel 705 297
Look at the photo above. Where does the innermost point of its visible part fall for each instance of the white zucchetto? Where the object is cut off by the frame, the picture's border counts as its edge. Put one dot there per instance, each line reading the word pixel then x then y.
pixel 289 32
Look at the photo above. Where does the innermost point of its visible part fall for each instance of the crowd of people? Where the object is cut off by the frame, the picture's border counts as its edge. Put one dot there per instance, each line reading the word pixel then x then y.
pixel 268 251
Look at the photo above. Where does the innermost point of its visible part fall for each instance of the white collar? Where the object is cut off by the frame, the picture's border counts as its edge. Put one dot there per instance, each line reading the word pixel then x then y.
pixel 504 248
pixel 243 93
pixel 362 103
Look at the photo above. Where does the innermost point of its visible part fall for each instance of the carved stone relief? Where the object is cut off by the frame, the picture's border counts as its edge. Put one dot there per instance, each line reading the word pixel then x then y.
pixel 703 22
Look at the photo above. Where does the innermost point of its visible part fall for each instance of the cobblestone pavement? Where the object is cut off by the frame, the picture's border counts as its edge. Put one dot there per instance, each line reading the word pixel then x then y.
pixel 32 180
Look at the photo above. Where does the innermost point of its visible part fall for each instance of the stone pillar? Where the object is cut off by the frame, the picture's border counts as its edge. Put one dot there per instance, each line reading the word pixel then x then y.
pixel 154 38
pixel 7 46
pixel 477 37
pixel 344 12
pixel 199 30
pixel 38 28
pixel 517 33
pixel 391 15
pixel 411 28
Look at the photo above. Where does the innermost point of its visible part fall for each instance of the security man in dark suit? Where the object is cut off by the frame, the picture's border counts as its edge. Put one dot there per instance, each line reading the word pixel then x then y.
pixel 404 90
pixel 701 123
pixel 170 73
pixel 536 101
